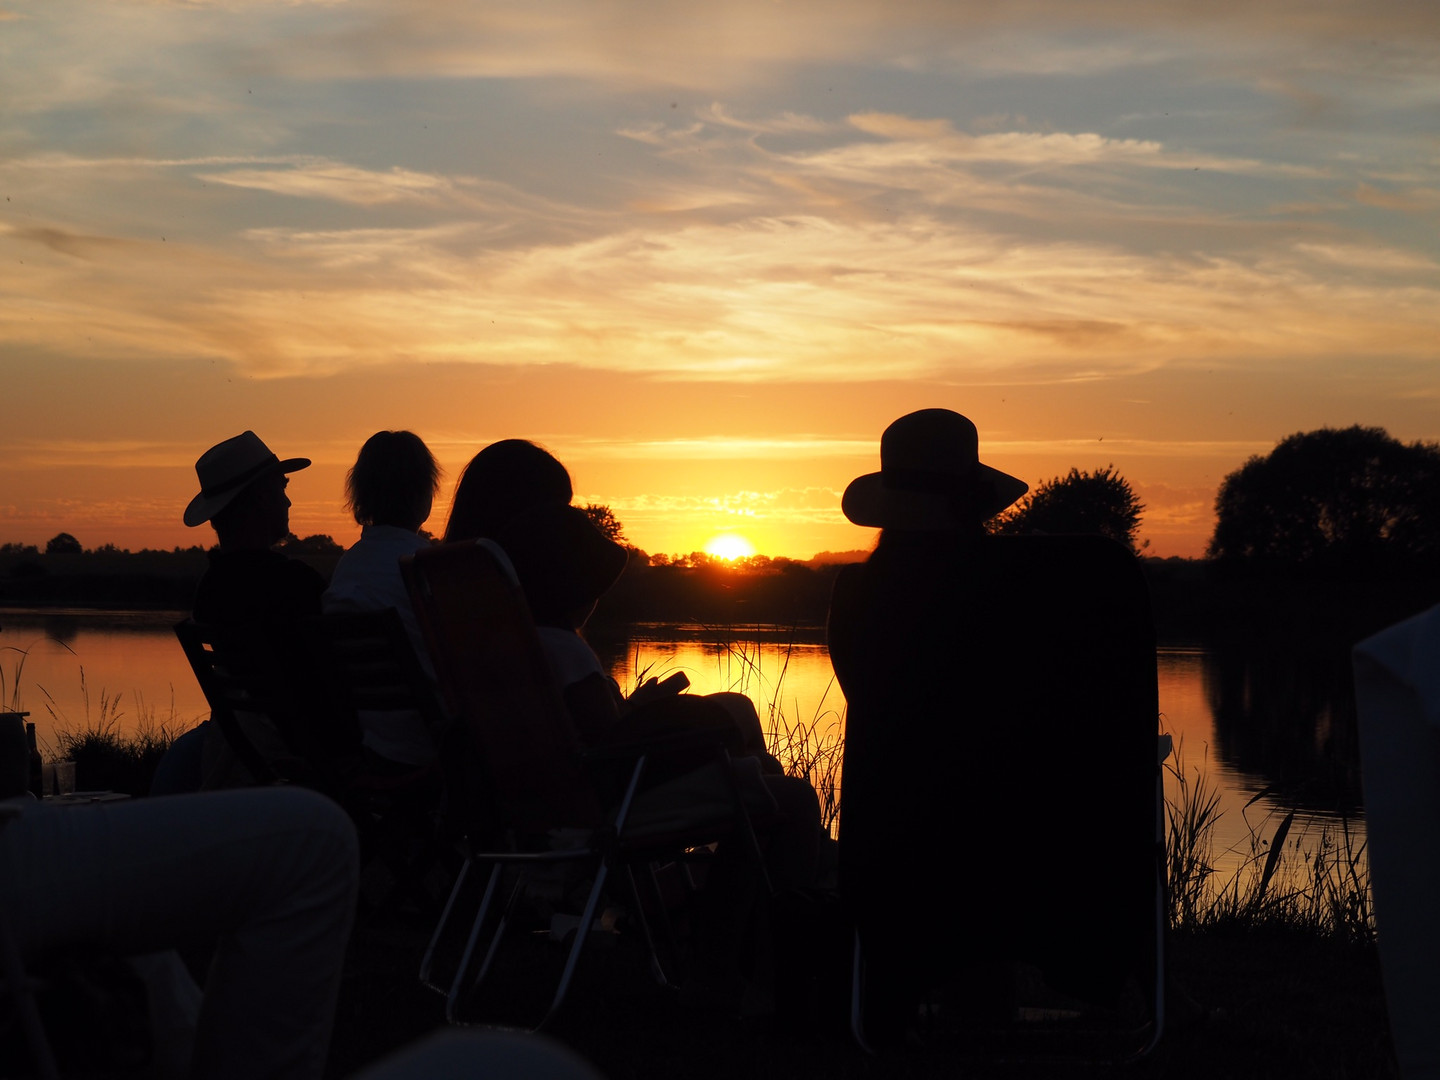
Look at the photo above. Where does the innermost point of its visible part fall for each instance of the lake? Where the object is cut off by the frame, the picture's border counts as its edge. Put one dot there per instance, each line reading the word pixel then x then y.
pixel 1272 734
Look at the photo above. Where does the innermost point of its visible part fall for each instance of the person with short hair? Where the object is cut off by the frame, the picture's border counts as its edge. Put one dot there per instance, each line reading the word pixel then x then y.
pixel 390 490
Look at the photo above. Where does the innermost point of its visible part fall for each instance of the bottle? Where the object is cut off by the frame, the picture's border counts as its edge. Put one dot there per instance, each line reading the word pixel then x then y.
pixel 37 768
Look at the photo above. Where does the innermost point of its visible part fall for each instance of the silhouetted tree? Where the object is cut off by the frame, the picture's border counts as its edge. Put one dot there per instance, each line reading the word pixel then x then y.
pixel 1351 497
pixel 63 544
pixel 604 519
pixel 316 544
pixel 1079 502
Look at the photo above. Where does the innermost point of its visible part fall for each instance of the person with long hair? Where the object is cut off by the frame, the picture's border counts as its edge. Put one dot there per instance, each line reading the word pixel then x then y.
pixel 502 481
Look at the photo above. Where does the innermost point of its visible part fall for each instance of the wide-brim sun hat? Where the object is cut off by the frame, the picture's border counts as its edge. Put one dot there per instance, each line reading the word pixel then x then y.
pixel 563 561
pixel 228 468
pixel 930 477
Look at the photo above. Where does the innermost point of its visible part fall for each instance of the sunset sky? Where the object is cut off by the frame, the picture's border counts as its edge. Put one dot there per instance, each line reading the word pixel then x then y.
pixel 705 252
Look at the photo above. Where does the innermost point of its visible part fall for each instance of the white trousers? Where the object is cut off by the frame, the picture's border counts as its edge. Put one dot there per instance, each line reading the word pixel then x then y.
pixel 268 873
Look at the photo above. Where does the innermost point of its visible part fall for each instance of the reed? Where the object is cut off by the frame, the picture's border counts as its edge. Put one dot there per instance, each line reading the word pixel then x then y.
pixel 107 756
pixel 1291 877
pixel 10 686
pixel 810 747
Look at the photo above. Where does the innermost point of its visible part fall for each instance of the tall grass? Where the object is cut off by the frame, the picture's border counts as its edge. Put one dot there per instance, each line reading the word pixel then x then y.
pixel 811 747
pixel 10 686
pixel 106 755
pixel 1310 878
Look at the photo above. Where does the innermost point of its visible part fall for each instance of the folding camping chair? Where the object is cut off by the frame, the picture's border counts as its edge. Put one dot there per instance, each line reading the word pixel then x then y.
pixel 549 800
pixel 367 662
pixel 1029 832
pixel 254 700
pixel 289 712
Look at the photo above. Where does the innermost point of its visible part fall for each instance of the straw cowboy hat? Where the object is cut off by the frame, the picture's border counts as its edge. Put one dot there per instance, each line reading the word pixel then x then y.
pixel 930 477
pixel 227 468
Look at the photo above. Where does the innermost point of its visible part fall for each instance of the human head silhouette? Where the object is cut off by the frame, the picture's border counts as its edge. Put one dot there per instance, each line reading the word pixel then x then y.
pixel 503 480
pixel 931 478
pixel 393 481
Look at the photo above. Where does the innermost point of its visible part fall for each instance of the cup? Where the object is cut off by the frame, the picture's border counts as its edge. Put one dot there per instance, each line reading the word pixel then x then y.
pixel 64 778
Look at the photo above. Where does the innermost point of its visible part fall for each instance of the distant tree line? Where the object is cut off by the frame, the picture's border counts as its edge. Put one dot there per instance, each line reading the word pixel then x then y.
pixel 1345 504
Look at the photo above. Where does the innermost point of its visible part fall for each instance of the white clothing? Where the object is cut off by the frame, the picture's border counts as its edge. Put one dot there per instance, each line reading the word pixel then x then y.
pixel 367 578
pixel 570 658
pixel 271 872
pixel 1397 694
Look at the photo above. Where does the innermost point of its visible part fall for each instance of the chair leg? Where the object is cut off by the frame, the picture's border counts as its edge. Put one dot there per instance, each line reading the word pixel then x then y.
pixel 581 933
pixel 657 968
pixel 427 961
pixel 857 997
pixel 458 983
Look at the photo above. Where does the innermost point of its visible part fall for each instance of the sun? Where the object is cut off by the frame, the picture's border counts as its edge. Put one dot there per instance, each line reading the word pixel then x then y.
pixel 729 546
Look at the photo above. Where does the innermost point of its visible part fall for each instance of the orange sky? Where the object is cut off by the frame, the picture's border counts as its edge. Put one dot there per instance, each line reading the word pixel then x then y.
pixel 704 255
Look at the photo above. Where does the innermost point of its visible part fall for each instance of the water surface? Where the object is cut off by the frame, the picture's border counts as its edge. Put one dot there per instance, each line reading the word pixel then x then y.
pixel 1269 736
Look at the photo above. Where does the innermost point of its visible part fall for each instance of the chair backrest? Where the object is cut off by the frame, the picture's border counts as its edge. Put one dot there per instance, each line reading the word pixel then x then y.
pixel 276 709
pixel 371 666
pixel 498 685
pixel 1003 714
pixel 239 676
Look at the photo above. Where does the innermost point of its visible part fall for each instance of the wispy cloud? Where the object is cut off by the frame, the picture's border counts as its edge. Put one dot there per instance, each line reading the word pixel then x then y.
pixel 363 187
pixel 958 195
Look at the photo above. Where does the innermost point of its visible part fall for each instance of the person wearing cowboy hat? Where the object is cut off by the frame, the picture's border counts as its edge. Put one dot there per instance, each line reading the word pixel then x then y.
pixel 247 583
pixel 242 496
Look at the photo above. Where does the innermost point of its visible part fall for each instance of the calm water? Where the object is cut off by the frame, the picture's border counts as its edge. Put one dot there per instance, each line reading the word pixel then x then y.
pixel 1276 730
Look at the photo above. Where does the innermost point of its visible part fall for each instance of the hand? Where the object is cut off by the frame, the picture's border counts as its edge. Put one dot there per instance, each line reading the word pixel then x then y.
pixel 653 689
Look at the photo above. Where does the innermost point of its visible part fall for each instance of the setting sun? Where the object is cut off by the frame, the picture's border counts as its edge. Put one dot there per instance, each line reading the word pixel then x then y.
pixel 730 547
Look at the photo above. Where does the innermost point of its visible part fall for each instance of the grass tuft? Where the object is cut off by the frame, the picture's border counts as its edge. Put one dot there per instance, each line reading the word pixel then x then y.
pixel 1317 880
pixel 107 757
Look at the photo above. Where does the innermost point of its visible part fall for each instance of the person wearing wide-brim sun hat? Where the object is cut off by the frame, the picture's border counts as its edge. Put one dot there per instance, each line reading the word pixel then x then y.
pixel 899 625
pixel 931 478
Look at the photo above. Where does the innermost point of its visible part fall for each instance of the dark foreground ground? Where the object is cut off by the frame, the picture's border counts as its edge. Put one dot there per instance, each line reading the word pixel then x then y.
pixel 1246 1005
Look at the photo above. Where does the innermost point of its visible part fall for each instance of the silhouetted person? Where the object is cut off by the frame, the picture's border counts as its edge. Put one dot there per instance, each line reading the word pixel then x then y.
pixel 501 481
pixel 390 490
pixel 564 565
pixel 249 584
pixel 242 495
pixel 269 876
pixel 1397 692
pixel 1000 690
pixel 899 627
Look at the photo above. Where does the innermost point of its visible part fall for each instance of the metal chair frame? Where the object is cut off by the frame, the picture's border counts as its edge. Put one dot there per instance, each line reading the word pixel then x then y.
pixel 466 592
